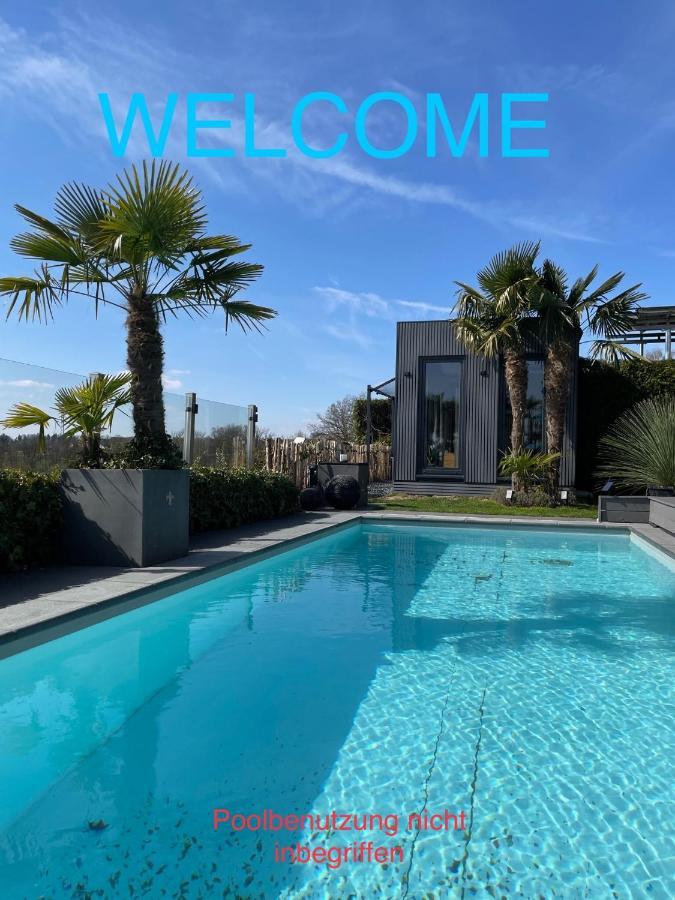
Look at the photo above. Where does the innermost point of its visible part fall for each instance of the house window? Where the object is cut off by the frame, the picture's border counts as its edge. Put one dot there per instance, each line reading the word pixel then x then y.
pixel 534 415
pixel 441 432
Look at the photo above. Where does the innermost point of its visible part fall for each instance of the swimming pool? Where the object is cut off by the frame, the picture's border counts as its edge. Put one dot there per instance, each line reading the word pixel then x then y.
pixel 522 677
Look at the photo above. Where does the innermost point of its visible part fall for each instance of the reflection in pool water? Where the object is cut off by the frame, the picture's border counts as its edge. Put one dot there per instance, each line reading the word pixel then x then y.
pixel 382 670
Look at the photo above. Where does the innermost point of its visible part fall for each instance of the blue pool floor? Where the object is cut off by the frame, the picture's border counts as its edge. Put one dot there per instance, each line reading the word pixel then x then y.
pixel 524 678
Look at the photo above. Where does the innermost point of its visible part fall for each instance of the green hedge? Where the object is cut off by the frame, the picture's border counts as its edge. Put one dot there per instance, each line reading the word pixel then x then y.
pixel 225 498
pixel 605 393
pixel 30 519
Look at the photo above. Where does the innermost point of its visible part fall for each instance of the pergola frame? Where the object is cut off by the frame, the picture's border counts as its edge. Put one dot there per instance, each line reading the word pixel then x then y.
pixel 381 390
pixel 653 325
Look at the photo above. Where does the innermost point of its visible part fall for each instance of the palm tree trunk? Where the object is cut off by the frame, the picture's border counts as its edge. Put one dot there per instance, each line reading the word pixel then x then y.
pixel 145 359
pixel 557 378
pixel 515 372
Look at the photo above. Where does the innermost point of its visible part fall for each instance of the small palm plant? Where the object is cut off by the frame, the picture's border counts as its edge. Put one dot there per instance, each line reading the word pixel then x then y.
pixel 140 245
pixel 638 450
pixel 83 411
pixel 528 468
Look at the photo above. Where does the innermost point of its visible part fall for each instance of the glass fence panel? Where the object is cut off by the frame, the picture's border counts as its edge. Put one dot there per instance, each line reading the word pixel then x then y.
pixel 174 407
pixel 220 429
pixel 220 434
pixel 24 383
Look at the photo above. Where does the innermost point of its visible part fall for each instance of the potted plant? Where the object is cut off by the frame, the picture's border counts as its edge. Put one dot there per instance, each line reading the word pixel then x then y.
pixel 139 245
pixel 110 515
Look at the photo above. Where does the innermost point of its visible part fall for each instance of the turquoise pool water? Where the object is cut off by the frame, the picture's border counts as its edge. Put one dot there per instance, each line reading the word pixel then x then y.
pixel 525 678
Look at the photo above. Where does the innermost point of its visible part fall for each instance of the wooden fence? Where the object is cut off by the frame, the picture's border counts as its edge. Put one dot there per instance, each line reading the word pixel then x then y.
pixel 293 459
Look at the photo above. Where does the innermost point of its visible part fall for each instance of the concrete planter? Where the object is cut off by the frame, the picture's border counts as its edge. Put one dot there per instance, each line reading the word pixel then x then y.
pixel 623 509
pixel 326 471
pixel 125 517
pixel 662 513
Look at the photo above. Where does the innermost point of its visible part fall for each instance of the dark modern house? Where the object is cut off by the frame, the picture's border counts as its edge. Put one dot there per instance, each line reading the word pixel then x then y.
pixel 452 414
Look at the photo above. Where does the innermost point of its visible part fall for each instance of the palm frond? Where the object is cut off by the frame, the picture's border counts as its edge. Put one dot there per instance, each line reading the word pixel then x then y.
pixel 508 273
pixel 32 297
pixel 470 302
pixel 487 336
pixel 80 208
pixel 213 248
pixel 25 415
pixel 247 315
pixel 154 212
pixel 43 246
pixel 527 465
pixel 618 314
pixel 44 225
pixel 144 234
pixel 581 285
pixel 611 351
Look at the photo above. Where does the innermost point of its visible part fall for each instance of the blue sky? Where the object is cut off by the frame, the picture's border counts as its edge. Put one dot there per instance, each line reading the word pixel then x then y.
pixel 351 244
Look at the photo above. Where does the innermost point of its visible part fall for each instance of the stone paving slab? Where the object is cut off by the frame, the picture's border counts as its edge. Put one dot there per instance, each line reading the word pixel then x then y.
pixel 57 595
pixel 31 599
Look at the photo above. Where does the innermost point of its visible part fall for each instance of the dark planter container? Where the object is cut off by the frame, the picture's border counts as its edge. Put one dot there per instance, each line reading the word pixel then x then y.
pixel 125 517
pixel 326 471
pixel 623 509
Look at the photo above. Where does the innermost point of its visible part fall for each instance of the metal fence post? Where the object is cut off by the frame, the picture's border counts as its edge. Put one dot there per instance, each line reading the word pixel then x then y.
pixel 191 410
pixel 250 434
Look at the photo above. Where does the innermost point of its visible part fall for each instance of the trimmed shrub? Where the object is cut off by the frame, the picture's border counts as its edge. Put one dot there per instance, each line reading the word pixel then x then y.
pixel 30 519
pixel 342 492
pixel 534 497
pixel 226 498
pixel 605 393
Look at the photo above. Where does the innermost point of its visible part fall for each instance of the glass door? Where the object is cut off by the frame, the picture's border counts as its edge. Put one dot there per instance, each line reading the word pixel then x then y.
pixel 441 429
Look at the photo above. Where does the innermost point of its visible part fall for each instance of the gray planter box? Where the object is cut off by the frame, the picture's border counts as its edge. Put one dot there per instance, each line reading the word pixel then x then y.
pixel 662 513
pixel 326 471
pixel 623 509
pixel 125 517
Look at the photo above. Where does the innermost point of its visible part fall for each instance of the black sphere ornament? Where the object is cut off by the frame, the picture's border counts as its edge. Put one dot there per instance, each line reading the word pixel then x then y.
pixel 343 492
pixel 311 498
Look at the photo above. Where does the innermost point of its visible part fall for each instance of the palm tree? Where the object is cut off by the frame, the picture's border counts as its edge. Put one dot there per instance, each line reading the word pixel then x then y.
pixel 140 245
pixel 562 313
pixel 493 321
pixel 84 410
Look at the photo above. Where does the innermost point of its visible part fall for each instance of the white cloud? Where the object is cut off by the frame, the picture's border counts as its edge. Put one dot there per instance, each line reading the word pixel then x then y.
pixel 60 74
pixel 26 383
pixel 171 384
pixel 365 303
pixel 348 333
pixel 425 307
pixel 371 305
